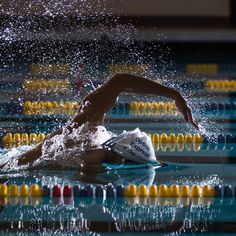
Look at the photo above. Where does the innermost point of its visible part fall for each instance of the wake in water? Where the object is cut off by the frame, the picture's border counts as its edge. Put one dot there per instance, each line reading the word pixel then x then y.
pixel 68 148
pixel 65 150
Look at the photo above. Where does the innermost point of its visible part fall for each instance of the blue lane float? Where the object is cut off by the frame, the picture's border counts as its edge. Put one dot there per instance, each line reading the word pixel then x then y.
pixel 46 191
pixel 221 106
pixel 221 138
pixel 119 191
pixel 99 193
pixel 76 191
pixel 205 139
pixel 229 138
pixel 89 191
pixel 228 191
pixel 110 193
pixel 218 191
pixel 82 192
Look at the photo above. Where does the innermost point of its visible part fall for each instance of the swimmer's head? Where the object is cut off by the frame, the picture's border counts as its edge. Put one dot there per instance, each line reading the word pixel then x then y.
pixel 134 146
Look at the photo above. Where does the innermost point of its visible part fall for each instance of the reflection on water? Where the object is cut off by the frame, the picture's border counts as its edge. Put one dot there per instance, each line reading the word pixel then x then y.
pixel 170 216
pixel 173 173
pixel 110 215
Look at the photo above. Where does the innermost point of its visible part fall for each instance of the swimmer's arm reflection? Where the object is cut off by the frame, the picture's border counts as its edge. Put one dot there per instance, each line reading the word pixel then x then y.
pixel 100 101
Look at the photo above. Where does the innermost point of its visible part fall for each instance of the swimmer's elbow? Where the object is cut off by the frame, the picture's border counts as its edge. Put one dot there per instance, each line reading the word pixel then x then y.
pixel 119 76
pixel 119 80
pixel 115 79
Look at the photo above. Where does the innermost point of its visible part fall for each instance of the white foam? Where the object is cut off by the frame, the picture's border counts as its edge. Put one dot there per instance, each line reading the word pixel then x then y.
pixel 64 150
pixel 10 158
pixel 67 148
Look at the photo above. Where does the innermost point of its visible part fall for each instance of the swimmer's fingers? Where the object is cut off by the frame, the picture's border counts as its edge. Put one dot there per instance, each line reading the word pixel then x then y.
pixel 186 111
pixel 190 118
pixel 185 116
pixel 194 123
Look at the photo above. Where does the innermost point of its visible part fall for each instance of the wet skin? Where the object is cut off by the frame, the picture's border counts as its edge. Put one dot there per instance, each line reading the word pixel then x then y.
pixel 95 106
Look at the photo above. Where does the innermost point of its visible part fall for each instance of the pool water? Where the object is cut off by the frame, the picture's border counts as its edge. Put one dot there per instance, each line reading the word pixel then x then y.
pixel 103 215
pixel 210 164
pixel 52 54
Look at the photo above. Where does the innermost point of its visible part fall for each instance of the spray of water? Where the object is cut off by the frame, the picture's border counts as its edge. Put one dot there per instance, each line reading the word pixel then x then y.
pixel 63 151
pixel 80 33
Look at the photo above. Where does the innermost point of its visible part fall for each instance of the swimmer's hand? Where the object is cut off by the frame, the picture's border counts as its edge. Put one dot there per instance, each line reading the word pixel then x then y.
pixel 182 106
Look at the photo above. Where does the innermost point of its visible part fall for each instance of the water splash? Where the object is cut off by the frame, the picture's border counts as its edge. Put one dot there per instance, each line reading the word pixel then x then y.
pixel 67 149
pixel 45 25
pixel 61 151
pixel 197 179
pixel 9 158
pixel 84 33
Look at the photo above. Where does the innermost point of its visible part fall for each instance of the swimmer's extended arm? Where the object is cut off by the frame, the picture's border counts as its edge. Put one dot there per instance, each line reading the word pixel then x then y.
pixel 141 85
pixel 104 98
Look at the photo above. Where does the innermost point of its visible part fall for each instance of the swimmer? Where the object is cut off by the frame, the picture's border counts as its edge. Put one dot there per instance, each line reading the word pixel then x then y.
pixel 93 111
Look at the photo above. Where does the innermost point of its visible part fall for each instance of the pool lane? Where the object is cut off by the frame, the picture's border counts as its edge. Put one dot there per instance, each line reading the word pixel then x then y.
pixel 131 215
pixel 123 216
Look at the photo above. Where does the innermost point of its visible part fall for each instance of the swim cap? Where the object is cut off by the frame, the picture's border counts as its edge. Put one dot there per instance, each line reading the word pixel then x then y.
pixel 134 146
